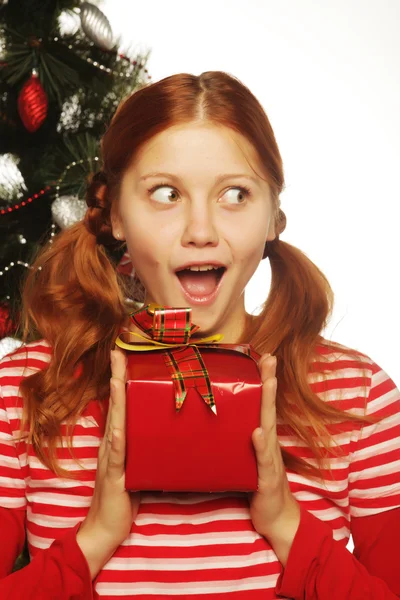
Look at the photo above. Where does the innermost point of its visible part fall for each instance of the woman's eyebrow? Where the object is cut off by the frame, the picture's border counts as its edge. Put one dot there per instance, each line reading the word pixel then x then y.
pixel 217 179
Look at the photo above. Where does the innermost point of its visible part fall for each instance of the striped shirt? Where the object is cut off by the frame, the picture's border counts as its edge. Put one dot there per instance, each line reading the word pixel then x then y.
pixel 195 545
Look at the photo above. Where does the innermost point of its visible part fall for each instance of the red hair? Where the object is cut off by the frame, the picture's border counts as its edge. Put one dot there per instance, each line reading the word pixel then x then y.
pixel 74 298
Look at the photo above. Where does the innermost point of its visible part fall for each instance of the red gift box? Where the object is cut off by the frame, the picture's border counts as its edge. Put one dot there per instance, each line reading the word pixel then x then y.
pixel 191 410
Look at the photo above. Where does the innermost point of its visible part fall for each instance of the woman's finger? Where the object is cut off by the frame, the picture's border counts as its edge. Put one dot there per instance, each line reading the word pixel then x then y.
pixel 116 429
pixel 118 364
pixel 265 437
pixel 117 386
pixel 268 402
pixel 116 456
pixel 267 367
pixel 117 372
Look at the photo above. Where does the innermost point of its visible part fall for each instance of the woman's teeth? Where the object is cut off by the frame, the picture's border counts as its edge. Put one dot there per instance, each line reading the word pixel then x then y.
pixel 203 268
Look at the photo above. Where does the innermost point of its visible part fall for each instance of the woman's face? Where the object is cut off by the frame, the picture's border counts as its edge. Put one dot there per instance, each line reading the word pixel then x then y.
pixel 195 216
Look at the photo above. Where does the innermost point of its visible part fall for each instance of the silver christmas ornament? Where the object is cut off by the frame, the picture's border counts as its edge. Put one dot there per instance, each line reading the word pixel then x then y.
pixel 67 210
pixel 8 345
pixel 96 26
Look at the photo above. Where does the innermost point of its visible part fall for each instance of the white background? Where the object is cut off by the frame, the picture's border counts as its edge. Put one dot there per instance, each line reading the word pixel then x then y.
pixel 327 74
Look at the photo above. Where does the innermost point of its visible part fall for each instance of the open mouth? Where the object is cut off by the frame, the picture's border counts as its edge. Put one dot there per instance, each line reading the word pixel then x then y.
pixel 201 285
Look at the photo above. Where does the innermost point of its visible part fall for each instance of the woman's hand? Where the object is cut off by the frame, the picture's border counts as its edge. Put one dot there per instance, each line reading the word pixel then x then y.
pixel 113 509
pixel 274 511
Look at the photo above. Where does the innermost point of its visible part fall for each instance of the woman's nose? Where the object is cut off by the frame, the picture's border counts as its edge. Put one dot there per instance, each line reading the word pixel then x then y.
pixel 200 228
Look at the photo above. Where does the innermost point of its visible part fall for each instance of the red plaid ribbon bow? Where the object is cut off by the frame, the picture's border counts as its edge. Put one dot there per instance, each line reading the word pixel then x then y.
pixel 170 330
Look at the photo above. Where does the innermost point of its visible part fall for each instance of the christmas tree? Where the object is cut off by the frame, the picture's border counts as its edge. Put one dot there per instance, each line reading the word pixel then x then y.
pixel 62 77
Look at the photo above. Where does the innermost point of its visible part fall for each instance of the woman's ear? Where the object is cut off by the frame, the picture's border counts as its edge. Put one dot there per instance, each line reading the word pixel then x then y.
pixel 272 233
pixel 276 226
pixel 116 224
pixel 116 232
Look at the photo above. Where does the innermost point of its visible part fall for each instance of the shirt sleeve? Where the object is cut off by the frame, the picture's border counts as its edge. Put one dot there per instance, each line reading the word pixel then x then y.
pixel 12 458
pixel 12 527
pixel 320 567
pixel 60 571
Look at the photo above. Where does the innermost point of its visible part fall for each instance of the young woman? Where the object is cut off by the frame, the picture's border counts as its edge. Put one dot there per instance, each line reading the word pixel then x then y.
pixel 191 176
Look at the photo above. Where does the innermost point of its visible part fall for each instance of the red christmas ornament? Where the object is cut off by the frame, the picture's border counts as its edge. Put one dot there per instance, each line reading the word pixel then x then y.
pixel 32 104
pixel 7 325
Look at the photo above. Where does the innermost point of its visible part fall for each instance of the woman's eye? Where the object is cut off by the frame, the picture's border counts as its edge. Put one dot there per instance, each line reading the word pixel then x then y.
pixel 164 198
pixel 243 194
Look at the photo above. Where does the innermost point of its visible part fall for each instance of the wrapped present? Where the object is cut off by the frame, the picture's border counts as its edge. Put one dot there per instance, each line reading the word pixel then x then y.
pixel 192 406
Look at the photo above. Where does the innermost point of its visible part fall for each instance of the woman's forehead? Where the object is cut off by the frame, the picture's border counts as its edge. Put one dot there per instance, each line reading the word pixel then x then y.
pixel 196 151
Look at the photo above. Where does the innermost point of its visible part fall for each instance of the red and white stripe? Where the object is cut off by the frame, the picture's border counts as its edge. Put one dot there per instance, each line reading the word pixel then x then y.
pixel 204 544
